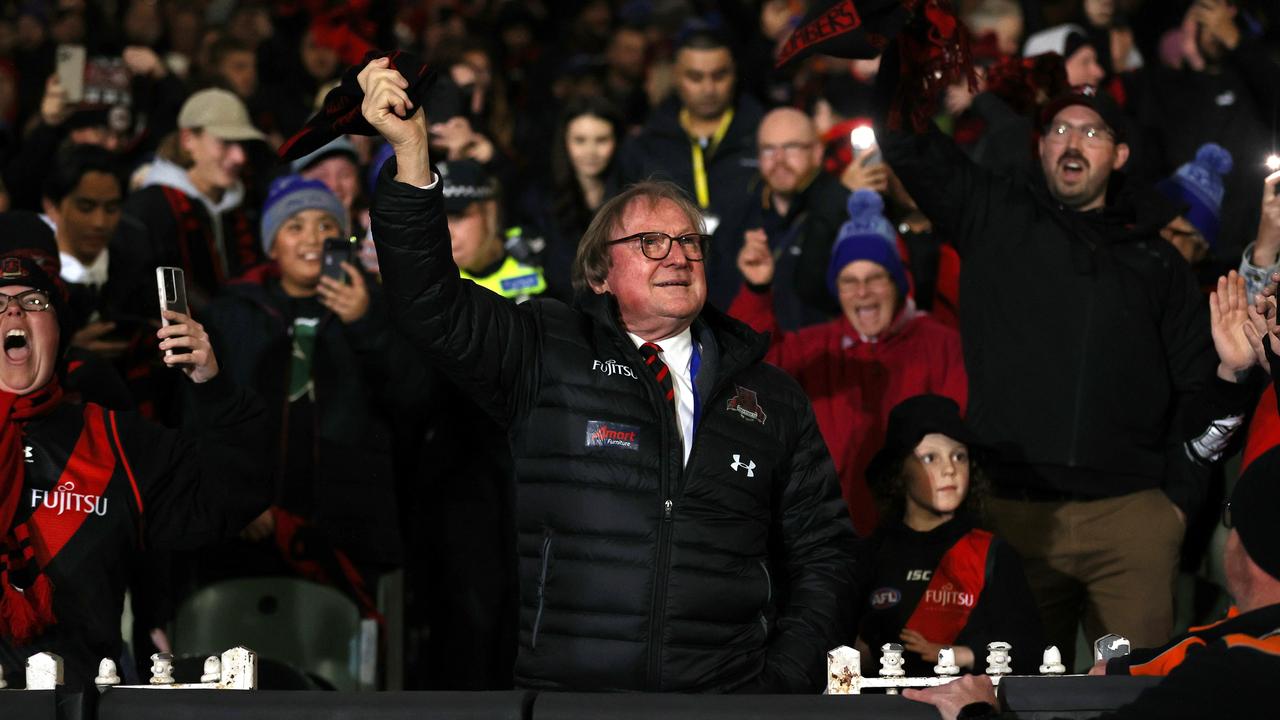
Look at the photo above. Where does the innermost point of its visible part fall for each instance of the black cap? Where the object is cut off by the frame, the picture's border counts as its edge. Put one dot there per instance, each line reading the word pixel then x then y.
pixel 465 182
pixel 912 419
pixel 29 256
pixel 1254 504
pixel 1094 98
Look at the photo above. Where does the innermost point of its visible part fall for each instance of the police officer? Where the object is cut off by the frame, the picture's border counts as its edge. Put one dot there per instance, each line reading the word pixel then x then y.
pixel 499 261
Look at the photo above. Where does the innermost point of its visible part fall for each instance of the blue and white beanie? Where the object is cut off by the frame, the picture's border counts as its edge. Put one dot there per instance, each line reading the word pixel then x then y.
pixel 290 195
pixel 1198 186
pixel 867 236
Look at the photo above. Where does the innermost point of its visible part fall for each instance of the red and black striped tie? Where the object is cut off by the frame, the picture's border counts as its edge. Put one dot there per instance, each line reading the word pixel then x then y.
pixel 649 352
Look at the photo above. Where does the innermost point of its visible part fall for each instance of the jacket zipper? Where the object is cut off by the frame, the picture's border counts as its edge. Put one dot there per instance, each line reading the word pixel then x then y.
pixel 657 611
pixel 542 587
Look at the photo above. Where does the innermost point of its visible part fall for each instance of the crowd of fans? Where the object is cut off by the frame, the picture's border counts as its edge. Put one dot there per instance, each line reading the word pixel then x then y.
pixel 1102 394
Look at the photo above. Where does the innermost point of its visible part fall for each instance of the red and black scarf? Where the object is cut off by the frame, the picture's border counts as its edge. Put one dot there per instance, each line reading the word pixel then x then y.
pixel 24 611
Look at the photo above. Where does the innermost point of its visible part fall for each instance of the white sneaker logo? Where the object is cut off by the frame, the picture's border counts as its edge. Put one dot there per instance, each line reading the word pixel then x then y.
pixel 737 465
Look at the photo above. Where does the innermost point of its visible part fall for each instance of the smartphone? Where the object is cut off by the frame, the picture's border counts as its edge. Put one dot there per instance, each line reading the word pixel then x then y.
pixel 863 140
pixel 172 286
pixel 337 251
pixel 71 64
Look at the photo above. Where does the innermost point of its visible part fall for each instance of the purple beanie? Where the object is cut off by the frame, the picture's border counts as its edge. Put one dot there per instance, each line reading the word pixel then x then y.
pixel 867 236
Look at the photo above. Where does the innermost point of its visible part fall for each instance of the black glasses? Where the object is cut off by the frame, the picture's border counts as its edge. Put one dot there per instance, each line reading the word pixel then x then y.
pixel 31 301
pixel 1226 515
pixel 657 245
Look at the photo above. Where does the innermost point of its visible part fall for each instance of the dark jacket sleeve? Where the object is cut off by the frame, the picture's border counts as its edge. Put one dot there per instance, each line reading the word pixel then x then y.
pixel 398 375
pixel 206 482
pixel 1198 394
pixel 1008 136
pixel 816 550
pixel 477 338
pixel 960 198
pixel 1214 681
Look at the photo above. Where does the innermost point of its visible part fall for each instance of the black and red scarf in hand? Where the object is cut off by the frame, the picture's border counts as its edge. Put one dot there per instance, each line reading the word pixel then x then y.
pixel 933 47
pixel 340 113
pixel 27 610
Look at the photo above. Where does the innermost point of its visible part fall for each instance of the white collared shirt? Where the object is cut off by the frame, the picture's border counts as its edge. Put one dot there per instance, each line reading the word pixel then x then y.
pixel 95 273
pixel 677 353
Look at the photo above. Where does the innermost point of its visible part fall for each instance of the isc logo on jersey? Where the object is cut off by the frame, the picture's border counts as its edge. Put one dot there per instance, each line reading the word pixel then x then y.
pixel 884 598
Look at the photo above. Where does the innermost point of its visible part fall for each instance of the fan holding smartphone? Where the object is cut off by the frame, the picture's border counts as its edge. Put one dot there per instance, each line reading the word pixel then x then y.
pixel 867 171
pixel 304 230
pixel 305 334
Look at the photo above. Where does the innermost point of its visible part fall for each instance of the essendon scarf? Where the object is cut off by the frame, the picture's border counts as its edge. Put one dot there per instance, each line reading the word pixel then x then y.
pixel 953 589
pixel 340 114
pixel 933 47
pixel 24 613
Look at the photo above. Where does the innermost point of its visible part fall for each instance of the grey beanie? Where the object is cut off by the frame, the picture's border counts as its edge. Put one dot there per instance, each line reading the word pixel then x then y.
pixel 290 195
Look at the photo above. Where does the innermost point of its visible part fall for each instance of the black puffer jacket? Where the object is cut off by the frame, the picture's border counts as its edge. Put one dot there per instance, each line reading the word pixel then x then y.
pixel 733 573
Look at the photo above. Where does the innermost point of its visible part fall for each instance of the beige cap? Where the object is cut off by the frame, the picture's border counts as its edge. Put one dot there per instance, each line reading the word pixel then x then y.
pixel 219 112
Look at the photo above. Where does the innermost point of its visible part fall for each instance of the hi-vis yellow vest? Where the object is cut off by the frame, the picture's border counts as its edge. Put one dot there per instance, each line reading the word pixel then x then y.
pixel 512 280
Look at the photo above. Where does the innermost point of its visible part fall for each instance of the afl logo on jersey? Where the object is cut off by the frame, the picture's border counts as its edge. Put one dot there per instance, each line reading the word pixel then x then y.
pixel 885 598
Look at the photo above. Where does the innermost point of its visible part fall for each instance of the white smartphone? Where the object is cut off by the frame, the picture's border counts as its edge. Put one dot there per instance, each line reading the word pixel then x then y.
pixel 172 287
pixel 863 140
pixel 70 64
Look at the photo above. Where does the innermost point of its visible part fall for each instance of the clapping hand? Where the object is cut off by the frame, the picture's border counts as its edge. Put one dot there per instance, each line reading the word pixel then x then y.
pixel 1229 323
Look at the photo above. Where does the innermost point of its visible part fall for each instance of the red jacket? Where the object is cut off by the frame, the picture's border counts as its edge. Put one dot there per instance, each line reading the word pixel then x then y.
pixel 853 384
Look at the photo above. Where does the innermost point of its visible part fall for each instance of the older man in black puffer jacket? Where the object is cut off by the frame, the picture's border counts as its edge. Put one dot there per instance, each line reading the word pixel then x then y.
pixel 680 527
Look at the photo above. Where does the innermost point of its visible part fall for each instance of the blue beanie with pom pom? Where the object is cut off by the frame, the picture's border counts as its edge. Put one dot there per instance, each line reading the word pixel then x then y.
pixel 1198 186
pixel 867 236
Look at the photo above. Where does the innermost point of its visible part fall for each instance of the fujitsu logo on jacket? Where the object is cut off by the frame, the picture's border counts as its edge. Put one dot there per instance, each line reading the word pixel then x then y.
pixel 612 367
pixel 64 498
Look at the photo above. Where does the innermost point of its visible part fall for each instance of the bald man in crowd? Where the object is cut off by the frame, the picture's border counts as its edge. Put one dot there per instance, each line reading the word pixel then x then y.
pixel 799 209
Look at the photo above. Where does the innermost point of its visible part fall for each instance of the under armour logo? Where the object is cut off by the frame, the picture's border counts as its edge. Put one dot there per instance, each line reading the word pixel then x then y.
pixel 27 454
pixel 737 465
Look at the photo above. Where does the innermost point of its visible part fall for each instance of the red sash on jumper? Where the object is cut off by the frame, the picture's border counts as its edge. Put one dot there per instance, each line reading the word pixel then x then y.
pixel 24 611
pixel 83 482
pixel 953 590
pixel 26 592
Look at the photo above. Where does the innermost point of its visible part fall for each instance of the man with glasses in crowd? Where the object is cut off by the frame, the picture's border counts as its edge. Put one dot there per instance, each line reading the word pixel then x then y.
pixel 798 209
pixel 679 524
pixel 1084 337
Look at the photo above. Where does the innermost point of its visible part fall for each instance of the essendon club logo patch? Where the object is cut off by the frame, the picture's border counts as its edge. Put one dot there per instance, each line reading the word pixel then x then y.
pixel 11 267
pixel 746 405
pixel 612 435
